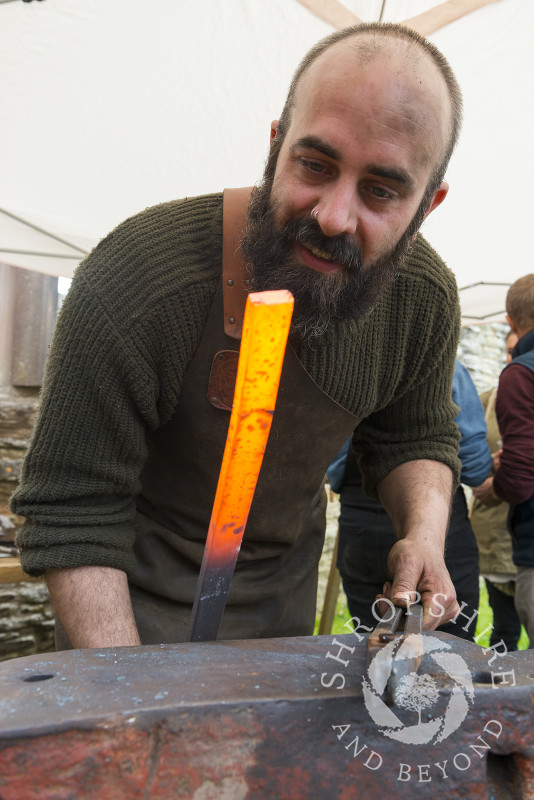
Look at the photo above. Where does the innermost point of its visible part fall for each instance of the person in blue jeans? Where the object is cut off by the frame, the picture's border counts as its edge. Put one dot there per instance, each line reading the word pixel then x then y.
pixel 366 533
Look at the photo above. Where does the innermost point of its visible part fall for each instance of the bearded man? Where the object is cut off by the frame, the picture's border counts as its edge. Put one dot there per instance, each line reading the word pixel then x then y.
pixel 119 482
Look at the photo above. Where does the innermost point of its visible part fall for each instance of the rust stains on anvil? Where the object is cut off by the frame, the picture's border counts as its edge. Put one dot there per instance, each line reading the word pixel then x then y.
pixel 249 720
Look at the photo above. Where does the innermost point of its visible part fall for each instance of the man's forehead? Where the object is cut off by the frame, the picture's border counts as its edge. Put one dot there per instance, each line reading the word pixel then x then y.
pixel 396 74
pixel 403 56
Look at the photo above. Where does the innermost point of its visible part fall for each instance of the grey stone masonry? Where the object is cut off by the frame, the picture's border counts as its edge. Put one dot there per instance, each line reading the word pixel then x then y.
pixel 482 350
pixel 26 620
pixel 17 415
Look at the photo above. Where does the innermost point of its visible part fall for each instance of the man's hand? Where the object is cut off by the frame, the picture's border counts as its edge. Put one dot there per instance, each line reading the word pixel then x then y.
pixel 417 497
pixel 421 576
pixel 485 493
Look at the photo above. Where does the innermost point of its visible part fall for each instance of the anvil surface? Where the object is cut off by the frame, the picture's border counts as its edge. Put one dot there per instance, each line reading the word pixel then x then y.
pixel 240 720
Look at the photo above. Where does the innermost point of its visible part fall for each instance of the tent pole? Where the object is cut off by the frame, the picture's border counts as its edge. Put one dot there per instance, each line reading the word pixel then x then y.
pixel 380 18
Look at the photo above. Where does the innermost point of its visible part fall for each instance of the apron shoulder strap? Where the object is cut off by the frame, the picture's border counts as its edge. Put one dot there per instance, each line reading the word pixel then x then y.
pixel 234 270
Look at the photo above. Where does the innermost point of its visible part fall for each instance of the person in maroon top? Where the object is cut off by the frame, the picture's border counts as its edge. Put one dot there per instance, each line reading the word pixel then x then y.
pixel 513 480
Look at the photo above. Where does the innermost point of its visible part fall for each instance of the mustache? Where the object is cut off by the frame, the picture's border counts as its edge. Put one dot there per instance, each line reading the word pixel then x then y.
pixel 341 249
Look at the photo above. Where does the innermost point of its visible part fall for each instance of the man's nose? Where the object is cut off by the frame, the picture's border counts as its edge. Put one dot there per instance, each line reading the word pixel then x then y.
pixel 338 211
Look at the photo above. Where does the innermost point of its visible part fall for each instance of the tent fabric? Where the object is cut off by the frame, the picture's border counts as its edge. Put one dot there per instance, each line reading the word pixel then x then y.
pixel 110 106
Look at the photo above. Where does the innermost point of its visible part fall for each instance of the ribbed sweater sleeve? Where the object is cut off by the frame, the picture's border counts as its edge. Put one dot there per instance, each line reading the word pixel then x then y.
pixel 415 354
pixel 124 338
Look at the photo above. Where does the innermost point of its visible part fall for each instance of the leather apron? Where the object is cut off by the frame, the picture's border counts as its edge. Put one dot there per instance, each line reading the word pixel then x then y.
pixel 273 591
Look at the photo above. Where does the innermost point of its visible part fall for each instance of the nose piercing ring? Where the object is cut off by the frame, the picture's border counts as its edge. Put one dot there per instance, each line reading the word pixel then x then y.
pixel 315 213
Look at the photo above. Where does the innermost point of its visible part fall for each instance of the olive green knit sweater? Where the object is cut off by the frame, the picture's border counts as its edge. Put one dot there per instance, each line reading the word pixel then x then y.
pixel 127 332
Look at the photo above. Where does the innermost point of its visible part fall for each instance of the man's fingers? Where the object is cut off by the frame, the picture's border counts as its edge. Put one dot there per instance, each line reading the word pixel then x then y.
pixel 438 606
pixel 420 575
pixel 403 590
pixel 438 609
pixel 383 601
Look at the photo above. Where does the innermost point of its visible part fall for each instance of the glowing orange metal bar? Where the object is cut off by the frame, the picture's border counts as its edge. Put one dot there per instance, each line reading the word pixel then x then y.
pixel 265 332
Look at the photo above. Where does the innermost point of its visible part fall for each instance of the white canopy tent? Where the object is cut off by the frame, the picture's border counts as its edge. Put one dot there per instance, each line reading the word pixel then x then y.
pixel 109 106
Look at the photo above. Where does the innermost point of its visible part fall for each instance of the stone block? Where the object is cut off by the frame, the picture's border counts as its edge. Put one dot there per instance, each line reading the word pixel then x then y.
pixel 17 416
pixel 26 620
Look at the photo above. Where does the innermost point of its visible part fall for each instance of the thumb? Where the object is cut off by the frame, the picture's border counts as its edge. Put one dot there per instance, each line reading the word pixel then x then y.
pixel 403 590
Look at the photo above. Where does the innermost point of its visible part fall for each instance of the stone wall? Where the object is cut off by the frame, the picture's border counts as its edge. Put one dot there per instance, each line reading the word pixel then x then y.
pixel 17 415
pixel 26 620
pixel 482 350
pixel 26 617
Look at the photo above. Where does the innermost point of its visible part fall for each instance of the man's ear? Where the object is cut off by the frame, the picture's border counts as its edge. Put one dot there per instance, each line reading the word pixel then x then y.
pixel 437 198
pixel 274 130
pixel 511 323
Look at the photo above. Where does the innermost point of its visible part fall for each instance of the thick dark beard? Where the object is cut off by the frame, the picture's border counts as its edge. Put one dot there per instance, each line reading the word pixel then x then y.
pixel 320 299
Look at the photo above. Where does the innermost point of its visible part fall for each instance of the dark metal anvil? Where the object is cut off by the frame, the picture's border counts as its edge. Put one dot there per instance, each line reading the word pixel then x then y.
pixel 275 718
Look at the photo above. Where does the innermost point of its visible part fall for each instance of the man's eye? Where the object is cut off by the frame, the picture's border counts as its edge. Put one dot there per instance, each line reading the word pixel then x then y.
pixel 313 166
pixel 381 193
